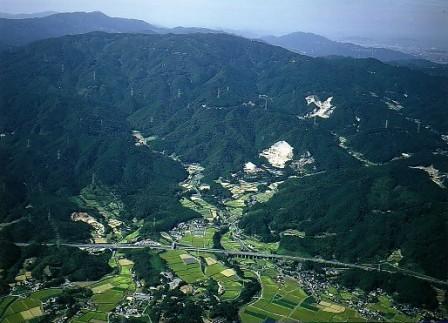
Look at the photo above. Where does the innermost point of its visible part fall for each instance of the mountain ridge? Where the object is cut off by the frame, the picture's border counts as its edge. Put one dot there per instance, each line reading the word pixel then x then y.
pixel 315 45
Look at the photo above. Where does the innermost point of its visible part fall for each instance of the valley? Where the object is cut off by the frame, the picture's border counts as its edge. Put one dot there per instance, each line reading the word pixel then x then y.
pixel 196 253
pixel 181 177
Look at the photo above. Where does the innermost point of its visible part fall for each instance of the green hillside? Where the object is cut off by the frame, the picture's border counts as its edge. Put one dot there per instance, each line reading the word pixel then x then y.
pixel 68 107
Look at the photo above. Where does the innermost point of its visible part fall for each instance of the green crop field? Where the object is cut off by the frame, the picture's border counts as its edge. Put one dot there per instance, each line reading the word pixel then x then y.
pixel 109 292
pixel 384 306
pixel 228 243
pixel 13 309
pixel 16 310
pixel 199 239
pixel 190 273
pixel 231 284
pixel 200 206
pixel 91 317
pixel 285 300
pixel 44 294
pixel 239 203
pixel 5 302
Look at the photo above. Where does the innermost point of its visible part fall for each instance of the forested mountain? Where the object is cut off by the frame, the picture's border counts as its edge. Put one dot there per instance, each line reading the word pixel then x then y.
pixel 16 32
pixel 26 15
pixel 316 46
pixel 378 145
pixel 428 67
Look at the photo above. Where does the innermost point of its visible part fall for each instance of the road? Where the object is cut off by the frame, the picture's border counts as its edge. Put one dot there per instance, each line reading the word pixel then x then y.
pixel 251 254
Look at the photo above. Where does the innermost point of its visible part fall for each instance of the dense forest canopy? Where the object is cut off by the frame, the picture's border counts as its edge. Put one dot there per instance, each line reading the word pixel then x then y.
pixel 220 100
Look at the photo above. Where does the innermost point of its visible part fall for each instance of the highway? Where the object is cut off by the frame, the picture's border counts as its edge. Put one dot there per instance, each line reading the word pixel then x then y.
pixel 251 254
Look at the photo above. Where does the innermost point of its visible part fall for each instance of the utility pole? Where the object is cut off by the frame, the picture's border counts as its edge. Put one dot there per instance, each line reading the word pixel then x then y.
pixel 387 124
pixel 418 126
pixel 94 75
pixel 265 98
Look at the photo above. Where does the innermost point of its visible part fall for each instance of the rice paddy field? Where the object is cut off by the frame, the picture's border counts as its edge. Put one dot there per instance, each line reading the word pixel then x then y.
pixel 109 292
pixel 188 272
pixel 192 272
pixel 261 246
pixel 226 277
pixel 199 239
pixel 285 302
pixel 228 243
pixel 207 210
pixel 384 306
pixel 15 309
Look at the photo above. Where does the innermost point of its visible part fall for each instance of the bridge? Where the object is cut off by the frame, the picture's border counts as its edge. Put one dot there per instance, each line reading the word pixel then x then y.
pixel 250 254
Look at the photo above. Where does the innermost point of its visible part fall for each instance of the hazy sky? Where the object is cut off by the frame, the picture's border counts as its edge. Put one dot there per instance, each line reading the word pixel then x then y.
pixel 333 18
